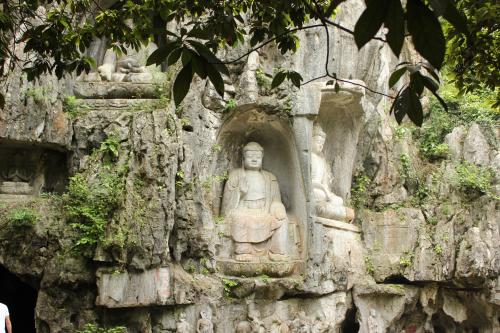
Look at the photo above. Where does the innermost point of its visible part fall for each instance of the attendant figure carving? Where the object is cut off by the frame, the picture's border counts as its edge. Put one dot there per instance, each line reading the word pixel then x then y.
pixel 327 204
pixel 205 324
pixel 182 325
pixel 252 205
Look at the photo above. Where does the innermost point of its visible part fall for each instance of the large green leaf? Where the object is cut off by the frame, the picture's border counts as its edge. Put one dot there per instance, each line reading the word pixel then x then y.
pixel 369 22
pixel 182 83
pixel 278 79
pixel 160 54
pixel 426 32
pixel 400 105
pixel 416 83
pixel 199 65
pixel 414 111
pixel 174 56
pixel 396 75
pixel 395 22
pixel 216 79
pixel 209 56
pixel 456 18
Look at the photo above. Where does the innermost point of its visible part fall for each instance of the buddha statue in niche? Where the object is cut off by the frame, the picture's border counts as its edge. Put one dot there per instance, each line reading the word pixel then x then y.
pixel 327 204
pixel 17 177
pixel 252 206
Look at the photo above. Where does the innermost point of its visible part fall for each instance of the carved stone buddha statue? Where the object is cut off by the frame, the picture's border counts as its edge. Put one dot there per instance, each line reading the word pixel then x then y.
pixel 123 68
pixel 327 204
pixel 252 206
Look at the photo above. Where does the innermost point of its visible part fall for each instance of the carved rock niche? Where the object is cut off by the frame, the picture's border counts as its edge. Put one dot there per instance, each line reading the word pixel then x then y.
pixel 280 158
pixel 341 118
pixel 26 171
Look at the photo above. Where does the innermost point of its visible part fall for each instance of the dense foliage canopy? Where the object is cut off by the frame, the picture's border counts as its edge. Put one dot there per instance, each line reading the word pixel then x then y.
pixel 55 35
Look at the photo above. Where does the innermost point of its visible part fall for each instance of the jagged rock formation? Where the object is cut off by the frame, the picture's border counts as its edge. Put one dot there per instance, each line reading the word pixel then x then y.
pixel 137 238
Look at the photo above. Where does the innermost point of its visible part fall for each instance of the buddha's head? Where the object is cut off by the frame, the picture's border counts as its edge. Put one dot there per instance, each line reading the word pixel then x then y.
pixel 319 138
pixel 252 156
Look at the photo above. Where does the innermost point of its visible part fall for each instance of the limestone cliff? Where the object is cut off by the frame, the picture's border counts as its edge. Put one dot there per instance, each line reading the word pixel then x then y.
pixel 112 213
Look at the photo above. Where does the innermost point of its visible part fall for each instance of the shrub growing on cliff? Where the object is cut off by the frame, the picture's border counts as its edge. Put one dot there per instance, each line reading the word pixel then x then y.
pixel 91 205
pixel 473 179
pixel 21 218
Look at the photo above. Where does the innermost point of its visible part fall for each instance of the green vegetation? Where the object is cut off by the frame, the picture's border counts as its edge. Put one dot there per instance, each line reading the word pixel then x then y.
pixel 406 259
pixel 230 105
pixel 90 204
pixel 92 328
pixel 74 107
pixel 370 268
pixel 438 249
pixel 463 110
pixel 473 179
pixel 219 220
pixel 179 179
pixel 473 59
pixel 359 191
pixel 264 278
pixel 21 218
pixel 229 285
pixel 404 166
pixel 263 81
pixel 38 94
pixel 109 149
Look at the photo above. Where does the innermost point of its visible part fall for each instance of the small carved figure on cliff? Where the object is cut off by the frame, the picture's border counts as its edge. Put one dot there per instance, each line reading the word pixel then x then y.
pixel 205 324
pixel 243 327
pixel 328 205
pixel 373 322
pixel 182 325
pixel 257 324
pixel 252 203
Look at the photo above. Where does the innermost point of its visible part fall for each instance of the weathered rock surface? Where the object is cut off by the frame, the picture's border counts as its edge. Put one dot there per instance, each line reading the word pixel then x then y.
pixel 412 261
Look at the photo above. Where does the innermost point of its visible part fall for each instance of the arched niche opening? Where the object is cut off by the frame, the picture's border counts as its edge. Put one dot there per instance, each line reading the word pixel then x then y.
pixel 20 298
pixel 27 170
pixel 340 116
pixel 274 134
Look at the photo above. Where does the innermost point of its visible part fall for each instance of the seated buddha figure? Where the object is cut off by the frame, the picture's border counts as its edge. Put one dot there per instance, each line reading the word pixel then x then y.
pixel 327 204
pixel 251 204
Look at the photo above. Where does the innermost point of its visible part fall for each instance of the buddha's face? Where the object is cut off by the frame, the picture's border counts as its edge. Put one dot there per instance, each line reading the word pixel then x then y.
pixel 318 143
pixel 252 159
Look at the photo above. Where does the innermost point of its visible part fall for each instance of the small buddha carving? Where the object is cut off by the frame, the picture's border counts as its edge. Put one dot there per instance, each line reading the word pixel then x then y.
pixel 252 205
pixel 327 204
pixel 17 179
pixel 204 324
pixel 182 326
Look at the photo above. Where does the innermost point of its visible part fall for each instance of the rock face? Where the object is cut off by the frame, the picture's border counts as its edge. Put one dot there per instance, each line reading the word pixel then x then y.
pixel 111 204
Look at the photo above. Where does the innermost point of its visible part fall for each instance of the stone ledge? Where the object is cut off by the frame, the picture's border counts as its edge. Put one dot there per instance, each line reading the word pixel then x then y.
pixel 110 90
pixel 248 269
pixel 123 290
pixel 119 104
pixel 13 198
pixel 337 224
